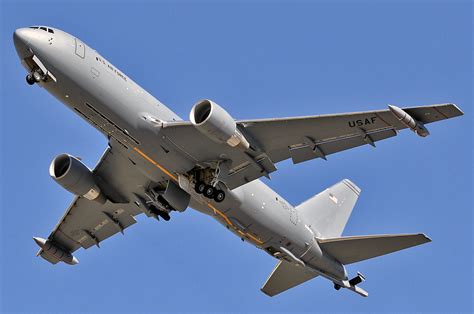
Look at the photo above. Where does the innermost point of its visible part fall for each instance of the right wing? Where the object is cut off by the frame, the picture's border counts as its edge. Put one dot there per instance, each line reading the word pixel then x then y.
pixel 305 138
pixel 285 276
pixel 298 138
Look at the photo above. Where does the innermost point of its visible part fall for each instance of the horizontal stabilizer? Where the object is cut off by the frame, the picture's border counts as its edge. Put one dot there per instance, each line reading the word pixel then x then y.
pixel 348 250
pixel 285 276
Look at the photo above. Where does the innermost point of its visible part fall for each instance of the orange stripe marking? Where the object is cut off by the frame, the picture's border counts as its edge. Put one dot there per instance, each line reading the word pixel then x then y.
pixel 156 164
pixel 216 211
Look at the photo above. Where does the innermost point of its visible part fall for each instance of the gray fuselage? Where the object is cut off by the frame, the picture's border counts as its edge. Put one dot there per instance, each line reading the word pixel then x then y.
pixel 97 91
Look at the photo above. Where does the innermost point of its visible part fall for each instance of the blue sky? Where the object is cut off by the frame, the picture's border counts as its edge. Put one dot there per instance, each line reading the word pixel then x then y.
pixel 263 59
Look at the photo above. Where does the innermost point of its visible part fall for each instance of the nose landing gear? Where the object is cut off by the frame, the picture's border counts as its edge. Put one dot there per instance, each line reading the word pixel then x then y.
pixel 34 77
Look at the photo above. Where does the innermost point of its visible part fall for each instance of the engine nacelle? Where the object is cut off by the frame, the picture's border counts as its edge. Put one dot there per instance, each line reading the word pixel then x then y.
pixel 75 177
pixel 217 124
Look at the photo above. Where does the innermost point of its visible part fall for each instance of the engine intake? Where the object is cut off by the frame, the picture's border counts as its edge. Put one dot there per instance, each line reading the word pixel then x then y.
pixel 217 124
pixel 75 177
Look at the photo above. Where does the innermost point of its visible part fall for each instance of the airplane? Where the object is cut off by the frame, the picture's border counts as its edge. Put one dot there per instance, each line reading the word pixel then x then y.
pixel 158 164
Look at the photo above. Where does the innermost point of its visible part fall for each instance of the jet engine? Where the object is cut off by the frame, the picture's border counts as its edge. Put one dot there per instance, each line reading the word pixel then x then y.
pixel 217 124
pixel 75 177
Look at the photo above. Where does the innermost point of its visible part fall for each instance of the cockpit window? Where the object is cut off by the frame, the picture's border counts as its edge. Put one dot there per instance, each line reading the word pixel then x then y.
pixel 46 29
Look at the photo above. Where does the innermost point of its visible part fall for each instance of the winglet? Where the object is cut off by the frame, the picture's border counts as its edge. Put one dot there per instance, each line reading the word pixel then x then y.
pixel 459 111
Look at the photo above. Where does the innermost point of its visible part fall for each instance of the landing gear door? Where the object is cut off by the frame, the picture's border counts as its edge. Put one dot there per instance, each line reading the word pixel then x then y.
pixel 80 48
pixel 176 197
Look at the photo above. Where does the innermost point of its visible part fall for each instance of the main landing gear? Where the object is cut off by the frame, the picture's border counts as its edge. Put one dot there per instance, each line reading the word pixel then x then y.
pixel 164 215
pixel 207 182
pixel 156 203
pixel 209 191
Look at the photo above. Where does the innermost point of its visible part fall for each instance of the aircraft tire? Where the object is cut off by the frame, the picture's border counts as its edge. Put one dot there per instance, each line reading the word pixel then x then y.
pixel 30 80
pixel 199 187
pixel 164 215
pixel 209 191
pixel 219 196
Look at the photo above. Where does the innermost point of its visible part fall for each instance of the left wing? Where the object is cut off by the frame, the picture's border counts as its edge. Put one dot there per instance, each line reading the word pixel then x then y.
pixel 87 223
pixel 300 138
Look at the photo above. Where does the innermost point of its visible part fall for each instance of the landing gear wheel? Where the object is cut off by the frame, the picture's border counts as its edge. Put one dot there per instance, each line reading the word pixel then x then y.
pixel 30 80
pixel 219 196
pixel 209 191
pixel 337 287
pixel 164 215
pixel 200 187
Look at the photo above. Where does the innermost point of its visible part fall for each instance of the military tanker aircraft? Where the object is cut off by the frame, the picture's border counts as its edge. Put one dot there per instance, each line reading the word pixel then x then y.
pixel 158 164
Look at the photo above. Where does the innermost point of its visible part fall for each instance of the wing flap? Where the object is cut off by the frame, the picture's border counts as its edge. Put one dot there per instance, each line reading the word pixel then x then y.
pixel 88 223
pixel 348 250
pixel 286 276
pixel 321 149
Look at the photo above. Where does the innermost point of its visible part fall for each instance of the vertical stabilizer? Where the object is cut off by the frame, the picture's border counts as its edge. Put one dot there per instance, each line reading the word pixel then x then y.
pixel 329 211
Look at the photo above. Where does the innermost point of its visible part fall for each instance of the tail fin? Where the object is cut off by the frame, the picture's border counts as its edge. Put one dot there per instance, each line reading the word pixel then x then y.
pixel 348 250
pixel 329 211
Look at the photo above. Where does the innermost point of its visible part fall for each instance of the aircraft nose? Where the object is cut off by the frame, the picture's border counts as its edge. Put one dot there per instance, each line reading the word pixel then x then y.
pixel 21 39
